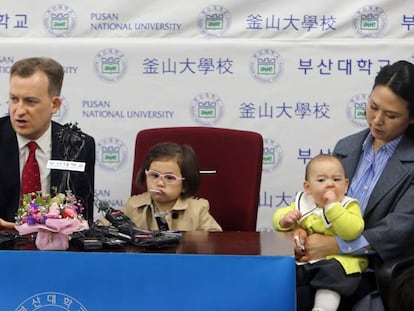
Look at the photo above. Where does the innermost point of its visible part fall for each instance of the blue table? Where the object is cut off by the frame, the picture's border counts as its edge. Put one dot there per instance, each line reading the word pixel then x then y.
pixel 254 277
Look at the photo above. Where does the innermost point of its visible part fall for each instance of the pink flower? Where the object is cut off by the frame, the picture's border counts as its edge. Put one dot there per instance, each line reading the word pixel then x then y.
pixel 36 209
pixel 68 213
pixel 54 210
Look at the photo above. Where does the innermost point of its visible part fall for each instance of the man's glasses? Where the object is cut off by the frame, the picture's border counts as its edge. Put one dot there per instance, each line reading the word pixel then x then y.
pixel 170 179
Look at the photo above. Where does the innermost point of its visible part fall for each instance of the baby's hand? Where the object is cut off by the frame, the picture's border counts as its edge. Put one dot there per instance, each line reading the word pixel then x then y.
pixel 290 219
pixel 329 197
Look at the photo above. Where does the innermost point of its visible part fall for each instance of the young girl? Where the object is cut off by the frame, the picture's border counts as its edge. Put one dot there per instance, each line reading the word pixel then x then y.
pixel 171 175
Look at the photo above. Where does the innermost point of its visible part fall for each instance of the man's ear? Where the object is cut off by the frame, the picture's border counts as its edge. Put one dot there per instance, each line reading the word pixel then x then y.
pixel 56 103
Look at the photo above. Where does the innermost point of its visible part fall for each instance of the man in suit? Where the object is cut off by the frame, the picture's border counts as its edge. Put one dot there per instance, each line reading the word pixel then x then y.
pixel 34 96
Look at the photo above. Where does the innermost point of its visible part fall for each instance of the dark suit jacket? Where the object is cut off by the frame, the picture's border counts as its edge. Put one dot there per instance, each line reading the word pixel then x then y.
pixel 81 183
pixel 389 215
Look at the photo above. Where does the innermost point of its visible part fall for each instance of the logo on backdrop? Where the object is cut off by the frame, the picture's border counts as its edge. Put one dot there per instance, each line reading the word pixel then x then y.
pixel 111 154
pixel 355 109
pixel 105 195
pixel 110 65
pixel 207 108
pixel 60 115
pixel 214 21
pixel 370 21
pixel 272 155
pixel 59 20
pixel 51 301
pixel 266 65
pixel 6 61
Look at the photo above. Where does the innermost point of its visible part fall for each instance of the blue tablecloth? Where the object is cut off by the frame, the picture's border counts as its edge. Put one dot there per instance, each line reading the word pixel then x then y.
pixel 38 280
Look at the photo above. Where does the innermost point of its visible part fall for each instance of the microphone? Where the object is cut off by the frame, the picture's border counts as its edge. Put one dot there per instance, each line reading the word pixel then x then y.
pixel 174 215
pixel 103 206
pixel 71 140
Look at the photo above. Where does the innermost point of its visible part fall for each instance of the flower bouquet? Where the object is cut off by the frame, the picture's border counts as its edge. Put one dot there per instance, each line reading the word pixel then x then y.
pixel 53 218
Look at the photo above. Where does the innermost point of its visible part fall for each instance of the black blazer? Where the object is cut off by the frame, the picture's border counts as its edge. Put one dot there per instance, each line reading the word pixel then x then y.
pixel 389 214
pixel 81 183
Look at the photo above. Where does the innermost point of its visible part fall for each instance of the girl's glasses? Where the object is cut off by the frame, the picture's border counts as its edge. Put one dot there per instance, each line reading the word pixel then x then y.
pixel 170 179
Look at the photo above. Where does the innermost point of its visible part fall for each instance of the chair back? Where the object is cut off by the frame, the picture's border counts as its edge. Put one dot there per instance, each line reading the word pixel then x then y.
pixel 230 164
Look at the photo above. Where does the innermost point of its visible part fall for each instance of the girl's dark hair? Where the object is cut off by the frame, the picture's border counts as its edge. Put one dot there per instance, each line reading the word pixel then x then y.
pixel 186 160
pixel 399 77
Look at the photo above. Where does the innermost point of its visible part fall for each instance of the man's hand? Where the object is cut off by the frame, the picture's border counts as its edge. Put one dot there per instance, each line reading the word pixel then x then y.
pixel 6 224
pixel 318 246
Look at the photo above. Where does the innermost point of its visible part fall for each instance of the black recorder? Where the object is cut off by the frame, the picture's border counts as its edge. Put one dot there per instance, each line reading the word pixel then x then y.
pixel 98 237
pixel 124 224
pixel 7 240
pixel 139 237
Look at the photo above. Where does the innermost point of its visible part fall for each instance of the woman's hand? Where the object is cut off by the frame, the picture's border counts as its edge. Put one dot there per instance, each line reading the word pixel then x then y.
pixel 318 246
pixel 301 235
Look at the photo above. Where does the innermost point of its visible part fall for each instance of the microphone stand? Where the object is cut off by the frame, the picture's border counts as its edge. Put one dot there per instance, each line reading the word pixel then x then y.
pixel 72 141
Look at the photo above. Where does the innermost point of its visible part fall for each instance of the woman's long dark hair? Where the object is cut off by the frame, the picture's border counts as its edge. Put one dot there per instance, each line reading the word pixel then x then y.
pixel 399 77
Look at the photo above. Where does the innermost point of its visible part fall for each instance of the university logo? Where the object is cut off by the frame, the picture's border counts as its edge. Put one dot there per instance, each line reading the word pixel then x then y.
pixel 110 65
pixel 266 65
pixel 59 116
pixel 355 110
pixel 370 21
pixel 111 154
pixel 59 20
pixel 272 155
pixel 214 21
pixel 207 108
pixel 51 301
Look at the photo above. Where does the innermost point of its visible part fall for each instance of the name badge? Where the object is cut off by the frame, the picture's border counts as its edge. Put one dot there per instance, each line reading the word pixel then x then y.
pixel 66 165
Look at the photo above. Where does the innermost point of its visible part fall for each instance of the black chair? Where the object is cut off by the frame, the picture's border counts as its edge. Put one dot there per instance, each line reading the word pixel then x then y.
pixel 396 284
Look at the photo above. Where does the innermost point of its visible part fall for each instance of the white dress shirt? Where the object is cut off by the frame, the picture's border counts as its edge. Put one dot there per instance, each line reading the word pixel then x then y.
pixel 43 155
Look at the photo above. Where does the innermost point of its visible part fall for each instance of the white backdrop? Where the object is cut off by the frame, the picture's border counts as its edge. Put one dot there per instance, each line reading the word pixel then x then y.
pixel 297 72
